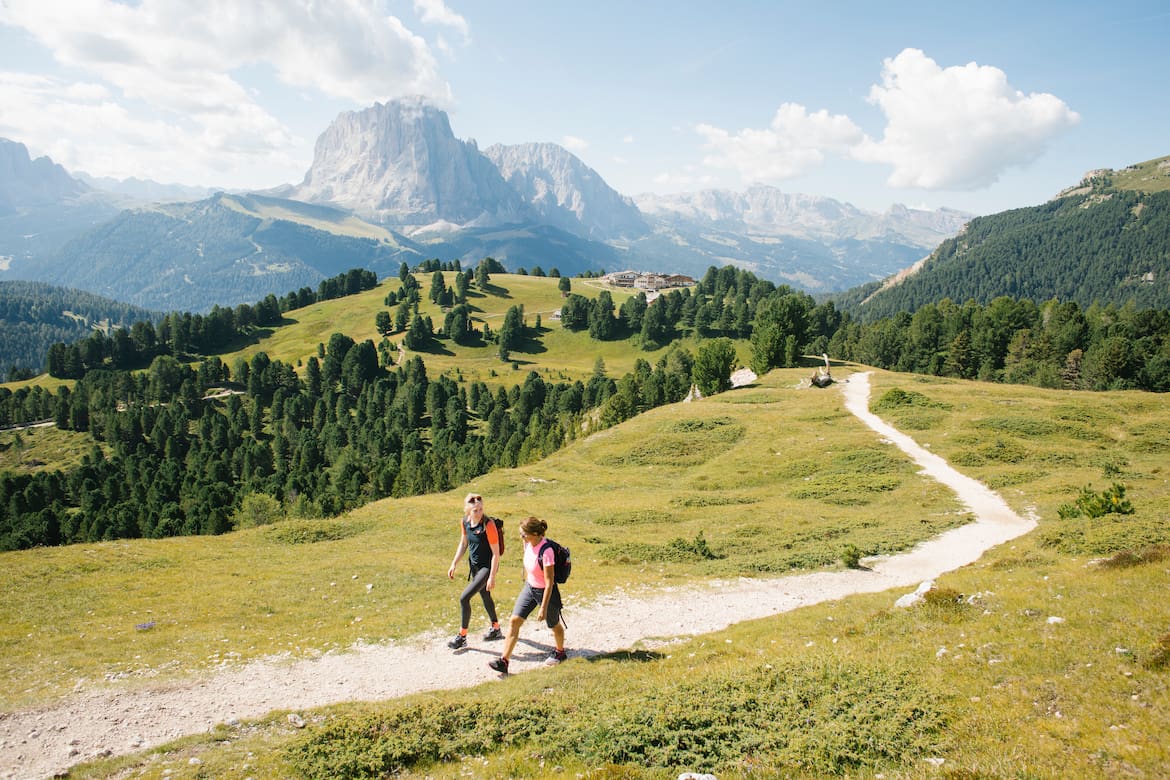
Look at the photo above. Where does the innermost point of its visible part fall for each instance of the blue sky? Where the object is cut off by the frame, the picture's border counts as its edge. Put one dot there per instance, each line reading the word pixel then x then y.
pixel 981 107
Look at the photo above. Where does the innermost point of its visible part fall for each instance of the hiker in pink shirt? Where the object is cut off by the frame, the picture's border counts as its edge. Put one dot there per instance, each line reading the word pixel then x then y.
pixel 540 591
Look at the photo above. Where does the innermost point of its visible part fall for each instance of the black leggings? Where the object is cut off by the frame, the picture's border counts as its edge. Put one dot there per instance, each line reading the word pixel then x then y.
pixel 478 584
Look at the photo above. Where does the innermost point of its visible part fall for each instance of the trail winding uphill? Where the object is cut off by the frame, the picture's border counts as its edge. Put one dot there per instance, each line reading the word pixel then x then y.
pixel 114 721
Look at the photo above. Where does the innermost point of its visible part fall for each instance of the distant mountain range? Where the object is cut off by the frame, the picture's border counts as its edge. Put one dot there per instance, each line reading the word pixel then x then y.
pixel 34 315
pixel 41 208
pixel 392 183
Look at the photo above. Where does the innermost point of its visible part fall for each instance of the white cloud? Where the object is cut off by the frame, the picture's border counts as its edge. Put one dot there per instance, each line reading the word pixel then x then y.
pixel 574 144
pixel 437 12
pixel 627 139
pixel 960 127
pixel 167 73
pixel 794 143
pixel 92 132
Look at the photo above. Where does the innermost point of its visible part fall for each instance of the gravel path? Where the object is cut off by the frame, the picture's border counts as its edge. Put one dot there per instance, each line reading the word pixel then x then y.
pixel 113 721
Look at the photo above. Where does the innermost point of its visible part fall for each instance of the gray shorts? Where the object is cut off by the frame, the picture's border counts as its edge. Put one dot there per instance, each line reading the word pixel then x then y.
pixel 530 599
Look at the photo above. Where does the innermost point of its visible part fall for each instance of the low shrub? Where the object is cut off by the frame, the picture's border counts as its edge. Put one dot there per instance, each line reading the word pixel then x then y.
pixel 1159 657
pixel 1106 535
pixel 824 717
pixel 385 743
pixel 896 398
pixel 851 556
pixel 313 531
pixel 1124 559
pixel 1092 504
pixel 676 550
pixel 639 517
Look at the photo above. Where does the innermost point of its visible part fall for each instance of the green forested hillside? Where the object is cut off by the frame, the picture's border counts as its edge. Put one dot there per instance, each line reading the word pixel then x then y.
pixel 312 407
pixel 1107 241
pixel 224 251
pixel 327 421
pixel 34 315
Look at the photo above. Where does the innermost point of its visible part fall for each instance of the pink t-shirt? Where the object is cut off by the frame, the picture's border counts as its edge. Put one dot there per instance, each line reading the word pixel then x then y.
pixel 536 570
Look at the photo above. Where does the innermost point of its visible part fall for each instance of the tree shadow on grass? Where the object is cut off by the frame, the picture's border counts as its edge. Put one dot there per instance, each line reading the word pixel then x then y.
pixel 433 347
pixel 493 290
pixel 250 339
pixel 532 346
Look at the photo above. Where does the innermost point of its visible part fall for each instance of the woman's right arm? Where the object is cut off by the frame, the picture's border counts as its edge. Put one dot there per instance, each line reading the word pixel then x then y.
pixel 458 550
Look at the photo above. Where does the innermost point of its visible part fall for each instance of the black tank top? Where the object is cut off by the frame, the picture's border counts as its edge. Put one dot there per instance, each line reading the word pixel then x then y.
pixel 479 551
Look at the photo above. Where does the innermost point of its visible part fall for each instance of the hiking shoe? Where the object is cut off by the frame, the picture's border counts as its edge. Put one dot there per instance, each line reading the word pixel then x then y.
pixel 499 665
pixel 493 635
pixel 458 642
pixel 555 658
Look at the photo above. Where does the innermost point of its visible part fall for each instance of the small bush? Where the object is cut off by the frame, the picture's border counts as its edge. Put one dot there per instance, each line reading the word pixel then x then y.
pixel 896 398
pixel 943 597
pixel 257 509
pixel 691 446
pixel 700 501
pixel 1108 535
pixel 1125 559
pixel 312 531
pixel 1029 427
pixel 825 720
pixel 851 556
pixel 1091 504
pixel 1159 657
pixel 639 517
pixel 677 550
pixel 383 744
pixel 695 425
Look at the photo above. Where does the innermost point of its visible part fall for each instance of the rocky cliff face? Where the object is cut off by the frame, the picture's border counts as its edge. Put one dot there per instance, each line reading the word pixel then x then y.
pixel 398 163
pixel 565 192
pixel 28 183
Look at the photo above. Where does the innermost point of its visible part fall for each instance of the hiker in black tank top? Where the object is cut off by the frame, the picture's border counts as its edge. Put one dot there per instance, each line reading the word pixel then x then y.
pixel 480 539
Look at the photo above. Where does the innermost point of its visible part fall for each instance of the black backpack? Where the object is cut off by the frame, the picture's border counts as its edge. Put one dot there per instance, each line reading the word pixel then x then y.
pixel 563 562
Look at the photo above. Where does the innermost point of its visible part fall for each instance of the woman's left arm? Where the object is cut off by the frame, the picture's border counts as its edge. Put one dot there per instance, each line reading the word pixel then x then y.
pixel 549 584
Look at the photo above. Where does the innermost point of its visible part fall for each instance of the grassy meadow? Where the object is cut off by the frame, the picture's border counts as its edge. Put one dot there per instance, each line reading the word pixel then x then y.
pixel 557 354
pixel 1049 657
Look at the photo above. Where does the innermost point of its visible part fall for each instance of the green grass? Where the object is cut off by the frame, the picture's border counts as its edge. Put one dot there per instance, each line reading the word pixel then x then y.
pixel 70 612
pixel 557 354
pixel 28 450
pixel 1149 176
pixel 1032 662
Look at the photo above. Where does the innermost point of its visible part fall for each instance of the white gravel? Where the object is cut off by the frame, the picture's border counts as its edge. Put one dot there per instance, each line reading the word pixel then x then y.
pixel 114 720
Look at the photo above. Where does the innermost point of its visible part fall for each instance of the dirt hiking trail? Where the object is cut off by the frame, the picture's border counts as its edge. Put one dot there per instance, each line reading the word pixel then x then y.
pixel 113 720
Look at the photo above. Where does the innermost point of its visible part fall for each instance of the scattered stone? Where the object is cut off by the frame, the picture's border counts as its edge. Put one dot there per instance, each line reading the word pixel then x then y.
pixel 910 599
pixel 296 720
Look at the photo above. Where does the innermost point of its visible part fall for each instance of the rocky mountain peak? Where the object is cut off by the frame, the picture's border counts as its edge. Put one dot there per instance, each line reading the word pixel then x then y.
pixel 25 182
pixel 565 192
pixel 400 164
